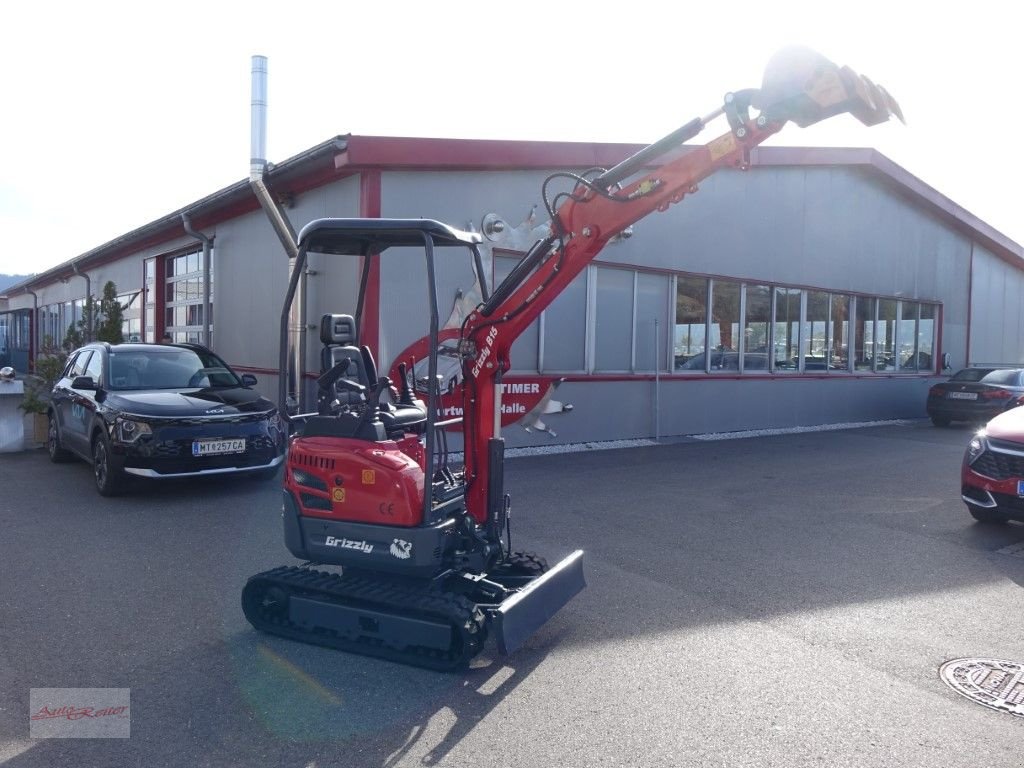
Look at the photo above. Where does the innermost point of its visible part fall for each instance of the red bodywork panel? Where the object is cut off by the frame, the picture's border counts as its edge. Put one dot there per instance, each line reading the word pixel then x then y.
pixel 338 478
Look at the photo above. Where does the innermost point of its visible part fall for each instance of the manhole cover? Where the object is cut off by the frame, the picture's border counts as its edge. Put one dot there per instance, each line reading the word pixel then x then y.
pixel 995 683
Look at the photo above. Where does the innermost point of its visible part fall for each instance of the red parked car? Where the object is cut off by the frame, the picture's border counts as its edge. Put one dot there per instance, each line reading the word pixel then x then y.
pixel 992 474
pixel 975 394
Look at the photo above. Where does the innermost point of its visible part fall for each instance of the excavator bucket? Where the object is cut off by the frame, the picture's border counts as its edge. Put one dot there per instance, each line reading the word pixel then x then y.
pixel 803 86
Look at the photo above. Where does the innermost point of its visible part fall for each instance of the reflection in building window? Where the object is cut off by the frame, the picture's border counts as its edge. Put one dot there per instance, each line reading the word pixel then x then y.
pixel 906 336
pixel 564 341
pixel 926 338
pixel 864 330
pixel 837 351
pixel 184 310
pixel 650 332
pixel 885 330
pixel 787 329
pixel 723 331
pixel 690 337
pixel 757 327
pixel 131 320
pixel 149 303
pixel 613 322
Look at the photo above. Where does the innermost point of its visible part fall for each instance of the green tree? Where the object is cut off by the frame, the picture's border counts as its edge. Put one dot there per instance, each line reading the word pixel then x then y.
pixel 112 314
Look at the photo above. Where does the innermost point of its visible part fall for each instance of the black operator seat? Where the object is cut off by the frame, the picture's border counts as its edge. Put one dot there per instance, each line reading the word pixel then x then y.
pixel 338 335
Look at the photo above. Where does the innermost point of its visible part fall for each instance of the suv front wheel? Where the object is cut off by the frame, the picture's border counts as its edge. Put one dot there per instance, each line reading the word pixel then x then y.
pixel 109 481
pixel 53 447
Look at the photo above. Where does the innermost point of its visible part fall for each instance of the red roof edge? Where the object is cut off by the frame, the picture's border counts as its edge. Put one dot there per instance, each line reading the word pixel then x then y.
pixel 399 152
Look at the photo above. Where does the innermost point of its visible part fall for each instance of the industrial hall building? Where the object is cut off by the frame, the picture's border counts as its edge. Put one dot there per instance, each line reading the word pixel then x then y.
pixel 820 286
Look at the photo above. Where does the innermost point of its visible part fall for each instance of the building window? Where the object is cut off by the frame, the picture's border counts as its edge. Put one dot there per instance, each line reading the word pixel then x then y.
pixel 723 331
pixel 185 312
pixel 864 334
pixel 524 352
pixel 131 315
pixel 885 329
pixel 149 300
pixel 757 313
pixel 837 351
pixel 613 320
pixel 786 329
pixel 650 335
pixel 690 338
pixel 564 329
pixel 926 337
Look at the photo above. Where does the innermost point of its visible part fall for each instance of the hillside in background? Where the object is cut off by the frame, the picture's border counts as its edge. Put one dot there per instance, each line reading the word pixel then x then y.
pixel 6 280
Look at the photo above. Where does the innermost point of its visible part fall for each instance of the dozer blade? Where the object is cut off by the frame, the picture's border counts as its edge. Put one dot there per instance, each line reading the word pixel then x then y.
pixel 803 86
pixel 529 609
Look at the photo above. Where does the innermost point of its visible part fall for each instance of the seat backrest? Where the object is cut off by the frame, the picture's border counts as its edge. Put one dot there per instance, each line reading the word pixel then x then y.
pixel 338 335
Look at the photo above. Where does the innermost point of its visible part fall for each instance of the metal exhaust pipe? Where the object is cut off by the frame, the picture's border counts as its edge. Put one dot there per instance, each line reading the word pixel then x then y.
pixel 282 228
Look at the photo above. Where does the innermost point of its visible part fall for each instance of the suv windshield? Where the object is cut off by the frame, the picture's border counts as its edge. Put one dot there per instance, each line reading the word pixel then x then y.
pixel 168 368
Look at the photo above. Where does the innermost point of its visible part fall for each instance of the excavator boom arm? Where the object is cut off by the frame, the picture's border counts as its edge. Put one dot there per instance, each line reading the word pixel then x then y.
pixel 799 86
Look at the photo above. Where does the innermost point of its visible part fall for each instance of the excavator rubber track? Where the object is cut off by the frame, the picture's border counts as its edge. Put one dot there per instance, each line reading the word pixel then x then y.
pixel 367 615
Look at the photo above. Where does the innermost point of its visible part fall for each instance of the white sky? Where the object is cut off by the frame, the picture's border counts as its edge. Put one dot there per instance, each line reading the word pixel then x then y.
pixel 113 114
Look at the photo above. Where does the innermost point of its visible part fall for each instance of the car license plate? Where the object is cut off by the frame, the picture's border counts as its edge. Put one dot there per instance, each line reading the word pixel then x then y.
pixel 216 447
pixel 1020 488
pixel 963 395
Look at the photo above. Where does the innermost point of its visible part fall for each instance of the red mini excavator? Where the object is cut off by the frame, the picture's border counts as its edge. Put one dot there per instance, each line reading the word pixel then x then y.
pixel 428 572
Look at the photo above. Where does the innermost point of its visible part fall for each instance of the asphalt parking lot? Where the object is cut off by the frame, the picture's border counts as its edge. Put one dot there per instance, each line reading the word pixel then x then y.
pixel 777 601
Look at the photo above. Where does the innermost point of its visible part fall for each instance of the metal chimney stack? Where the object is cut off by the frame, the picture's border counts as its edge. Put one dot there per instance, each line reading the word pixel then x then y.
pixel 290 390
pixel 258 124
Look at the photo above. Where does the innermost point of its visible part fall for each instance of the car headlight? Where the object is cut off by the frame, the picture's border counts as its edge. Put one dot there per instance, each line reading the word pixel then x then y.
pixel 129 430
pixel 976 447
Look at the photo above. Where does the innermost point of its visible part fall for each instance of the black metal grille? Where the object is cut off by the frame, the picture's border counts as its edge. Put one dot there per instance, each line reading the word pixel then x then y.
pixel 309 501
pixel 308 480
pixel 309 460
pixel 999 466
pixel 200 421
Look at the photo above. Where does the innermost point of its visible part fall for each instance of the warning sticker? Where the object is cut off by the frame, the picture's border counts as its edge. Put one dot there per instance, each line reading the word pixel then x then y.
pixel 338 494
pixel 369 476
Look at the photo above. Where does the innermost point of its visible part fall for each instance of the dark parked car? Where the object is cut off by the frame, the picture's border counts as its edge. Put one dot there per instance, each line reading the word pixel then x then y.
pixel 160 411
pixel 975 394
pixel 992 474
pixel 726 361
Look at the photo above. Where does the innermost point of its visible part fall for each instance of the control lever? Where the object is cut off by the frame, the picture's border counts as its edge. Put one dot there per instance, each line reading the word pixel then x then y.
pixel 334 376
pixel 405 396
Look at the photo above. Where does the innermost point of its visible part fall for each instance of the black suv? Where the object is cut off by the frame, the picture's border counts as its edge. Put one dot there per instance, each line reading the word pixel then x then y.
pixel 159 411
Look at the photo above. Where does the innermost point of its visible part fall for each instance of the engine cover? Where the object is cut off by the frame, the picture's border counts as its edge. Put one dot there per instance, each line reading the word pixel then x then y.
pixel 349 480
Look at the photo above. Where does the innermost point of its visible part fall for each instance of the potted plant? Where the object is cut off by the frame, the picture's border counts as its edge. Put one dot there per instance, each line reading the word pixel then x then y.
pixel 47 367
